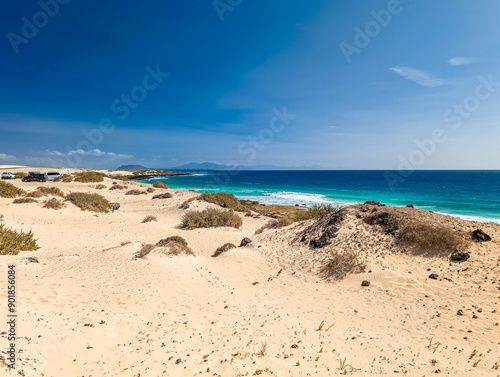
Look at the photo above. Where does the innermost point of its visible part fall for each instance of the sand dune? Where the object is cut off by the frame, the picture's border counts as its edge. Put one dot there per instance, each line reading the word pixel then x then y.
pixel 90 308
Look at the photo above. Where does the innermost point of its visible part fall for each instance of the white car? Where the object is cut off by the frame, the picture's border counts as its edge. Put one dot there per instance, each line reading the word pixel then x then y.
pixel 51 175
pixel 8 176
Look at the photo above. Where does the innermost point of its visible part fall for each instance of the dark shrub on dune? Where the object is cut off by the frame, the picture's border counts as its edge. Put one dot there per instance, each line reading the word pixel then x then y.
pixel 160 184
pixel 12 241
pixel 211 217
pixel 89 177
pixel 8 190
pixel 90 202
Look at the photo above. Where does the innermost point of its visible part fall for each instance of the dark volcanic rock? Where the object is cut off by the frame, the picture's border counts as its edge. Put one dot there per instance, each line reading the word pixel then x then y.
pixel 479 236
pixel 387 221
pixel 372 203
pixel 365 283
pixel 459 256
pixel 322 231
pixel 410 206
pixel 433 276
pixel 245 241
pixel 115 206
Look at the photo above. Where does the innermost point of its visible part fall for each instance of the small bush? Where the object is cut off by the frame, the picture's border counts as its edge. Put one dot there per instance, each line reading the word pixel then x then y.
pixel 150 190
pixel 8 190
pixel 135 192
pixel 20 174
pixel 100 187
pixel 166 195
pixel 224 200
pixel 149 219
pixel 51 191
pixel 193 190
pixel 317 210
pixel 275 224
pixel 340 264
pixel 24 200
pixel 89 177
pixel 422 237
pixel 211 217
pixel 66 178
pixel 178 239
pixel 223 249
pixel 120 177
pixel 118 187
pixel 160 184
pixel 12 242
pixel 90 202
pixel 185 204
pixel 53 204
pixel 35 194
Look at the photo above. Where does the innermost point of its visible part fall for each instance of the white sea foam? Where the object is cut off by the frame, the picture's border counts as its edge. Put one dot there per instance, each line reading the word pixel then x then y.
pixel 291 198
pixel 472 218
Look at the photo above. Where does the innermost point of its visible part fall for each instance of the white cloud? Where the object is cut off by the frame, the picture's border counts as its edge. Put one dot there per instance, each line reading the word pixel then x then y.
pixel 420 77
pixel 463 61
pixel 7 157
pixel 55 153
pixel 98 153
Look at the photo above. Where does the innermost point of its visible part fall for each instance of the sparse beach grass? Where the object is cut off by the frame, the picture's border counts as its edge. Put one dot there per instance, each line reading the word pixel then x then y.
pixel 8 190
pixel 12 241
pixel 53 204
pixel 50 191
pixel 340 264
pixel 149 219
pixel 24 200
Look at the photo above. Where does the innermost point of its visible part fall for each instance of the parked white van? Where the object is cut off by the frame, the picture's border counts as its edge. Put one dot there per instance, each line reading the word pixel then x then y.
pixel 51 175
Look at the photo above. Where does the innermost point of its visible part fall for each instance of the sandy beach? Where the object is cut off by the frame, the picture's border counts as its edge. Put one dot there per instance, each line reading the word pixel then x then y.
pixel 88 307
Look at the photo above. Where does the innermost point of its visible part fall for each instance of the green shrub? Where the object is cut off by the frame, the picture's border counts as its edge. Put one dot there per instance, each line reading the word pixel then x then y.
pixel 53 204
pixel 160 184
pixel 275 224
pixel 90 202
pixel 317 210
pixel 118 187
pixel 51 191
pixel 166 195
pixel 8 190
pixel 20 174
pixel 340 264
pixel 24 200
pixel 224 200
pixel 89 177
pixel 223 249
pixel 12 242
pixel 434 240
pixel 66 178
pixel 35 194
pixel 149 219
pixel 211 217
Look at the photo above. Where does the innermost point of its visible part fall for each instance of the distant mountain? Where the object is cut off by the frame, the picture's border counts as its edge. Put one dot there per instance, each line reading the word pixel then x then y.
pixel 212 166
pixel 132 167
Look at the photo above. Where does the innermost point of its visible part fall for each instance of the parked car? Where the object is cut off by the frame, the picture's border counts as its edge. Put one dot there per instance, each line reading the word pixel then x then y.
pixel 8 175
pixel 35 176
pixel 52 175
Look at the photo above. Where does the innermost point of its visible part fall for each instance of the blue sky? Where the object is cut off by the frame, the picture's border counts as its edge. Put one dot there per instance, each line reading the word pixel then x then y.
pixel 330 84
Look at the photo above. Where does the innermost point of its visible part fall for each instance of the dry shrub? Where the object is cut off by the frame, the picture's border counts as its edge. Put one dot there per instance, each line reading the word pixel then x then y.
pixel 89 177
pixel 185 204
pixel 150 190
pixel 20 174
pixel 211 217
pixel 340 264
pixel 166 195
pixel 66 178
pixel 35 194
pixel 224 200
pixel 90 202
pixel 24 200
pixel 223 249
pixel 175 245
pixel 136 192
pixel 275 224
pixel 53 204
pixel 160 184
pixel 100 187
pixel 430 239
pixel 12 242
pixel 8 190
pixel 120 177
pixel 193 190
pixel 149 219
pixel 118 187
pixel 317 210
pixel 51 191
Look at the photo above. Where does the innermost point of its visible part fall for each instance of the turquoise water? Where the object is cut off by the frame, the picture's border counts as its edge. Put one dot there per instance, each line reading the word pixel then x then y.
pixel 471 195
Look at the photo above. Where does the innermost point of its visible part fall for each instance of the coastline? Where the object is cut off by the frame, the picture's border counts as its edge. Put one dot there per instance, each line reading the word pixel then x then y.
pixel 103 311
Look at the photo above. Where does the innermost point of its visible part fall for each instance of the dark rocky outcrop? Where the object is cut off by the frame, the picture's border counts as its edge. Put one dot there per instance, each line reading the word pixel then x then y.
pixel 245 241
pixel 479 236
pixel 384 219
pixel 459 256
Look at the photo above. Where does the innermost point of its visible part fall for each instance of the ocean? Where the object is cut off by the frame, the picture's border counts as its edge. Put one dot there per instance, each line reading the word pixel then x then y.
pixel 466 194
